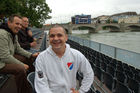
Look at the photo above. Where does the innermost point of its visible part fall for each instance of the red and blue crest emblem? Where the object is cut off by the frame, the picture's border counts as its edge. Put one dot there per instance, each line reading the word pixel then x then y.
pixel 70 65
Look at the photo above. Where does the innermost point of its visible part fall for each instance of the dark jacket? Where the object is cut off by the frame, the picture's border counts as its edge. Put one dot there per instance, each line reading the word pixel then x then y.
pixel 24 39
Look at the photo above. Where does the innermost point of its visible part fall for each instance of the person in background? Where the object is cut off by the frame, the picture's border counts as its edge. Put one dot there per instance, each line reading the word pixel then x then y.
pixel 25 37
pixel 56 67
pixel 14 59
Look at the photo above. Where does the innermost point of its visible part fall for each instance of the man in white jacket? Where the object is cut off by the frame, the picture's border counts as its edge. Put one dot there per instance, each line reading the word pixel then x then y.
pixel 56 67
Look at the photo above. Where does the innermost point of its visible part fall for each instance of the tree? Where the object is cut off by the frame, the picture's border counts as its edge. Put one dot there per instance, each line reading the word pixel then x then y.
pixel 36 10
pixel 108 21
pixel 8 7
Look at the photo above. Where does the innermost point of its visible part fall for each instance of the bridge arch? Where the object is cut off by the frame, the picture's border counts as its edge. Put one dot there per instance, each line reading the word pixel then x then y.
pixel 90 28
pixel 133 27
pixel 110 27
pixel 67 31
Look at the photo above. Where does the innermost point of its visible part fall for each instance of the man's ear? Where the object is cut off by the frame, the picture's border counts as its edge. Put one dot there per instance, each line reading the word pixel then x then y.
pixel 66 37
pixel 9 23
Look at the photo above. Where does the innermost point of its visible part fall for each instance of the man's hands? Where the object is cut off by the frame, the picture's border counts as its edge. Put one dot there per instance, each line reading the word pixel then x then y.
pixel 26 67
pixel 74 91
pixel 30 33
pixel 33 44
pixel 35 55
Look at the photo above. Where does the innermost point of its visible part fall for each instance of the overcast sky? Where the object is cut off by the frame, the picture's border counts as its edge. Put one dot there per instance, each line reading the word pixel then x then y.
pixel 62 10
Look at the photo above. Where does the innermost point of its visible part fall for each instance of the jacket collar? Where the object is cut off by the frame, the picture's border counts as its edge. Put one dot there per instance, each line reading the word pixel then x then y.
pixel 5 27
pixel 49 49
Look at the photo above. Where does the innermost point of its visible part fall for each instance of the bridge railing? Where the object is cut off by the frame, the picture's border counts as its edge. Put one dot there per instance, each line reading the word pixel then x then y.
pixel 129 57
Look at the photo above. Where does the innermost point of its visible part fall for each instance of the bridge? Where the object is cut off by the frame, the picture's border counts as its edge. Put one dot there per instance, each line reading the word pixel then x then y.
pixel 112 27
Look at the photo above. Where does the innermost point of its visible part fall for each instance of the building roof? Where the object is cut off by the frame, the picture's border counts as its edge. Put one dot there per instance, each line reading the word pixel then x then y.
pixel 125 13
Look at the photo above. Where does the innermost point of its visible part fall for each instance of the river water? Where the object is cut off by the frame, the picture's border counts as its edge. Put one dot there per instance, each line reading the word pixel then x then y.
pixel 124 40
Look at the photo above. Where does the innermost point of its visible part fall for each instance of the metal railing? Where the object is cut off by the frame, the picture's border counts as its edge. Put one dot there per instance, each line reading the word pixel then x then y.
pixel 44 43
pixel 129 57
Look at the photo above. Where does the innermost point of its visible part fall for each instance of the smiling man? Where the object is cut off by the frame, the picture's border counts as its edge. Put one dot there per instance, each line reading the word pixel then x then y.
pixel 56 67
pixel 9 46
pixel 25 37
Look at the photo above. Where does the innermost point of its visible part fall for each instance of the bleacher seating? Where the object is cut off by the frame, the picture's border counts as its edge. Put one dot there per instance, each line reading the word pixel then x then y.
pixel 119 68
pixel 98 72
pixel 110 70
pixel 121 88
pixel 120 76
pixel 108 80
pixel 119 71
pixel 134 85
pixel 30 78
pixel 3 79
pixel 43 43
pixel 37 32
pixel 103 66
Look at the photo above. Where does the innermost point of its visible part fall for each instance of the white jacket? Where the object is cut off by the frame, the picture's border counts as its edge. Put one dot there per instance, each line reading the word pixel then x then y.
pixel 58 75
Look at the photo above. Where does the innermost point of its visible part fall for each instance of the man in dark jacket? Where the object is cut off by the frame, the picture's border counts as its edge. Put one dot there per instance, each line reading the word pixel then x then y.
pixel 25 38
pixel 14 59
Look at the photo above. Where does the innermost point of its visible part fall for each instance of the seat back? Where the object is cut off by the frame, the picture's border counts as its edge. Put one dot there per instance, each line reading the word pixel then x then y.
pixel 30 78
pixel 103 66
pixel 108 80
pixel 134 85
pixel 120 76
pixel 121 88
pixel 3 79
pixel 98 73
pixel 110 70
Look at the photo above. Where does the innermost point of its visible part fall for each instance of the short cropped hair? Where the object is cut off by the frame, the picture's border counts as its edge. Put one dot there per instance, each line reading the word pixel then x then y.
pixel 56 26
pixel 24 17
pixel 11 18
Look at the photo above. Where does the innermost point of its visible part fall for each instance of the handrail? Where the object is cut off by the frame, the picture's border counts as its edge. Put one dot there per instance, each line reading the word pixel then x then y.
pixel 129 57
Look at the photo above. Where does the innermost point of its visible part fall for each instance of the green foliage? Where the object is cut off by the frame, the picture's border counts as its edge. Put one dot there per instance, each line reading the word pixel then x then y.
pixel 104 27
pixel 84 28
pixel 36 10
pixel 8 7
pixel 114 21
pixel 108 21
pixel 111 21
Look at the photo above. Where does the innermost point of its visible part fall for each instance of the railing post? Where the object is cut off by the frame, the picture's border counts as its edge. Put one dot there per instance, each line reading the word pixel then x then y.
pixel 115 52
pixel 100 47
